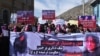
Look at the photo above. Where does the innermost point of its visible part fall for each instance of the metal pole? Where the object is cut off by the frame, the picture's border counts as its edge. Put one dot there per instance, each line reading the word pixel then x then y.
pixel 98 8
pixel 83 1
pixel 13 9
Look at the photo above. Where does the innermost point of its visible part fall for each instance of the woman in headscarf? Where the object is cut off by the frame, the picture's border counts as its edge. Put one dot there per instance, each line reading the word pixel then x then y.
pixel 92 48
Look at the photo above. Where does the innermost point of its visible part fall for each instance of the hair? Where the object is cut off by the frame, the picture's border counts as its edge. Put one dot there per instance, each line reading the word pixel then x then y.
pixel 52 27
pixel 20 44
pixel 95 38
pixel 42 28
pixel 80 25
pixel 29 27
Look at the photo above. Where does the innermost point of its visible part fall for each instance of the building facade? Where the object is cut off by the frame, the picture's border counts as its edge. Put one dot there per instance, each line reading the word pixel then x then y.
pixel 11 6
pixel 96 10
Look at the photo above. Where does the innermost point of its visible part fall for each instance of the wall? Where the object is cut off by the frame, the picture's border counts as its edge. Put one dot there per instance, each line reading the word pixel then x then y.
pixel 97 13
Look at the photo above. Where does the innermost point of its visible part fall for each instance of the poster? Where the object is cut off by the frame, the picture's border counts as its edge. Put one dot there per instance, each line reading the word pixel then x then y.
pixel 48 14
pixel 40 44
pixel 87 21
pixel 25 17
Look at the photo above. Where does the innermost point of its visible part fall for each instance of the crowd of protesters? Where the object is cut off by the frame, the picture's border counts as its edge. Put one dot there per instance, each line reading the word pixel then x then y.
pixel 51 28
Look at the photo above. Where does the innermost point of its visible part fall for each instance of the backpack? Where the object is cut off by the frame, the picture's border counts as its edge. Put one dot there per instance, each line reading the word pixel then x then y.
pixel 20 43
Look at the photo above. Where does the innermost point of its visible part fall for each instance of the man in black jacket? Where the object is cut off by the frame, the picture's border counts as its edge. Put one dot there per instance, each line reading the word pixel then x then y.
pixel 4 44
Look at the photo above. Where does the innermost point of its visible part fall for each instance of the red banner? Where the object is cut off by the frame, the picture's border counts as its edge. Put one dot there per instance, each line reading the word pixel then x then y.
pixel 87 21
pixel 48 14
pixel 25 17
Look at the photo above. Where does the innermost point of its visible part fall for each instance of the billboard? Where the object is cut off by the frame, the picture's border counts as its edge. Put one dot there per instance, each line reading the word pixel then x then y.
pixel 48 14
pixel 25 17
pixel 87 21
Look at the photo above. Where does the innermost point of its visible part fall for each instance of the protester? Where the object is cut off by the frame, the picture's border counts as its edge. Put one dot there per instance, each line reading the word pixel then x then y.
pixel 5 30
pixel 63 28
pixel 34 28
pixel 73 28
pixel 97 28
pixel 20 45
pixel 10 27
pixel 80 29
pixel 4 41
pixel 17 28
pixel 60 30
pixel 52 28
pixel 42 28
pixel 69 30
pixel 68 25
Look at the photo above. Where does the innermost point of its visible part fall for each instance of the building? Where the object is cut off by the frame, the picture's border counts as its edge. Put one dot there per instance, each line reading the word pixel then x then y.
pixel 96 10
pixel 11 6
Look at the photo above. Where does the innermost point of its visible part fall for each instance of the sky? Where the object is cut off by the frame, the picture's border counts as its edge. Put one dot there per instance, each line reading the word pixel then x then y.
pixel 60 6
